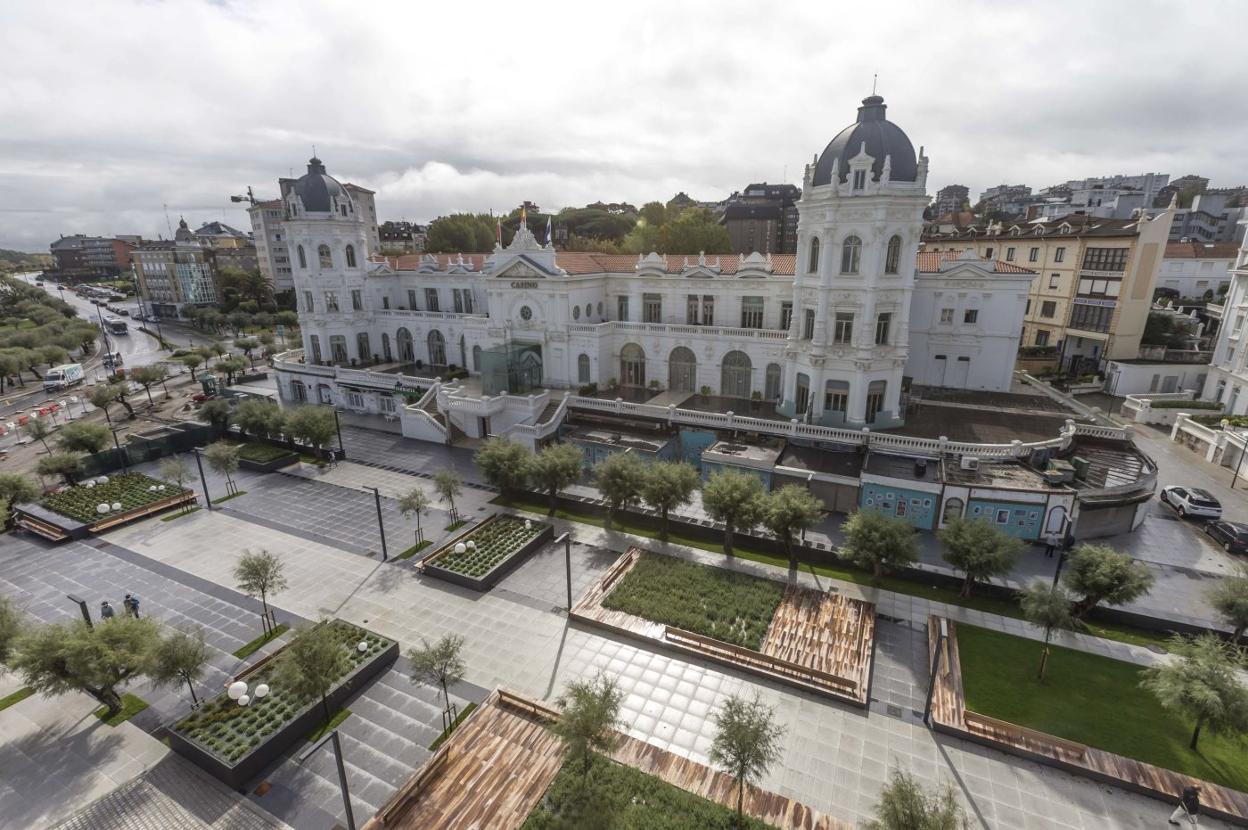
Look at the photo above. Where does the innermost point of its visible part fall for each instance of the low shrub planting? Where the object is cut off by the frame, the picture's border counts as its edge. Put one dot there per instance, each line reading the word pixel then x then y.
pixel 1216 420
pixel 131 490
pixel 1169 404
pixel 733 607
pixel 229 731
pixel 262 453
pixel 491 543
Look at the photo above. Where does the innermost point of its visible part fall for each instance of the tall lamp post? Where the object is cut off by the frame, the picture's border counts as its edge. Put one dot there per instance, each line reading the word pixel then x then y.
pixel 942 638
pixel 82 606
pixel 381 526
pixel 1243 450
pixel 342 772
pixel 203 480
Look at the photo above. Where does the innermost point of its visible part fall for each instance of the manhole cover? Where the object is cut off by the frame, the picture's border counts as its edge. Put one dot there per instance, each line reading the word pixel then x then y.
pixel 894 710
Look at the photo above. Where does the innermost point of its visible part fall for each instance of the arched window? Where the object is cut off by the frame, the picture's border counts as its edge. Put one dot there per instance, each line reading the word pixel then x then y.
pixel 362 347
pixel 682 370
pixel 772 387
pixel 953 510
pixel 303 259
pixel 386 354
pixel 437 348
pixel 350 256
pixel 582 369
pixel 476 358
pixel 813 265
pixel 892 260
pixel 734 375
pixel 632 365
pixel 406 353
pixel 851 253
pixel 325 257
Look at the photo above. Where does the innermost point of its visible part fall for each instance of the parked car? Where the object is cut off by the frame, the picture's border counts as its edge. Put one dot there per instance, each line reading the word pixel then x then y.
pixel 1192 501
pixel 1232 536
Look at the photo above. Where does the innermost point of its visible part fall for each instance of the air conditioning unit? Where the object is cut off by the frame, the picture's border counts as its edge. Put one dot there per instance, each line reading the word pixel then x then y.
pixel 970 462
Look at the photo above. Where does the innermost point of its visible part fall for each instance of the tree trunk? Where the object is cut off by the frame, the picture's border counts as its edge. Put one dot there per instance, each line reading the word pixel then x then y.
pixel 606 523
pixel 190 686
pixel 663 527
pixel 109 697
pixel 877 569
pixel 966 587
pixel 107 417
pixel 44 441
pixel 1044 663
pixel 1196 733
pixel 1239 632
pixel 554 501
pixel 740 802
pixel 792 554
pixel 325 708
pixel 1083 606
pixel 728 539
pixel 126 404
pixel 148 390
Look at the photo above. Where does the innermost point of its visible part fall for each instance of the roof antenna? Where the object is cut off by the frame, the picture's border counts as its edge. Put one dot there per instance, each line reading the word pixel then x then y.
pixel 875 77
pixel 313 151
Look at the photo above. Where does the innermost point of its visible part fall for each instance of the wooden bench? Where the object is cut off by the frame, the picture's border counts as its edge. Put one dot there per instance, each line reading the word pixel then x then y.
pixel 41 528
pixel 1021 736
pixel 749 657
pixel 534 709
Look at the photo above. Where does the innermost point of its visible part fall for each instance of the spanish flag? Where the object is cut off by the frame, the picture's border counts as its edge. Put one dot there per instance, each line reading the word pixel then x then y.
pixel 524 217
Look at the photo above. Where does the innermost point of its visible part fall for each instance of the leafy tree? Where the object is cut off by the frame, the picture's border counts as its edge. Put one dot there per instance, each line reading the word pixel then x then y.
pixel 289 319
pixel 11 626
pixel 734 498
pixel 1165 329
pixel 260 417
pixel 216 412
pixel 17 488
pixel 102 396
pixel 415 503
pixel 84 436
pixel 179 657
pixel 654 213
pixel 311 424
pixel 121 391
pixel 175 469
pixel 878 542
pixel 38 429
pixel 619 477
pixel 589 720
pixel 230 367
pixel 260 574
pixel 1228 596
pixel 67 657
pixel 461 233
pixel 149 376
pixel 666 486
pixel 439 664
pixel 67 465
pixel 311 662
pixel 695 230
pixel 787 512
pixel 1203 684
pixel 447 484
pixel 642 239
pixel 979 550
pixel 218 349
pixel 1047 606
pixel 248 345
pixel 1098 573
pixel 192 361
pixel 747 742
pixel 554 468
pixel 904 805
pixel 223 459
pixel 505 464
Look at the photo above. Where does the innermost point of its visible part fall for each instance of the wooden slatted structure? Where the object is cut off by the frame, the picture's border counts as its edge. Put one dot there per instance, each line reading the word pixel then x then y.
pixel 480 780
pixel 950 715
pixel 817 641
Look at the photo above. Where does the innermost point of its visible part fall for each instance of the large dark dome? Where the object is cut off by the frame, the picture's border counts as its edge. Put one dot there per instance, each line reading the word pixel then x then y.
pixel 882 137
pixel 316 188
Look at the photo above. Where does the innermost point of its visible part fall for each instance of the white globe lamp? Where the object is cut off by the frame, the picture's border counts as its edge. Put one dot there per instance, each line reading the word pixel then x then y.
pixel 361 647
pixel 261 691
pixel 236 690
pixel 460 547
pixel 116 505
pixel 244 700
pixel 101 508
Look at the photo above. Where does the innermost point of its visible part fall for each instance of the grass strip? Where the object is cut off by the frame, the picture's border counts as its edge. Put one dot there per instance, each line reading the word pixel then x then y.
pixel 230 496
pixel 17 697
pixel 252 647
pixel 324 726
pixel 180 514
pixel 456 525
pixel 446 733
pixel 1091 699
pixel 896 584
pixel 414 549
pixel 131 705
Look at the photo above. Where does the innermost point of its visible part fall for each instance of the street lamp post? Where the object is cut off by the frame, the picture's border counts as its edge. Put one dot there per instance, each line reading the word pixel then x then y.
pixel 202 478
pixel 381 526
pixel 342 771
pixel 941 638
pixel 1243 450
pixel 566 538
pixel 82 606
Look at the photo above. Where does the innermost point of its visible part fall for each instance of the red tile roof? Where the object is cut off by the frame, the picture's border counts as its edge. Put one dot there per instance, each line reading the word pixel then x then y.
pixel 1202 250
pixel 929 263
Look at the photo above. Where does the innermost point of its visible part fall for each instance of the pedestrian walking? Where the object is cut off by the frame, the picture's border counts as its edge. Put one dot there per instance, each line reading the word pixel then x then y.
pixel 1189 806
pixel 1049 547
pixel 106 611
pixel 132 605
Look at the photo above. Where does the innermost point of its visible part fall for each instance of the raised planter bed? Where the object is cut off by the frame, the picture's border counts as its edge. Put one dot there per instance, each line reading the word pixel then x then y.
pixel 265 458
pixel 235 743
pixel 72 513
pixel 498 545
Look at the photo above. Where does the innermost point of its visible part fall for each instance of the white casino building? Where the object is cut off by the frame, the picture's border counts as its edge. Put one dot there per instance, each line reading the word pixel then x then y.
pixel 822 338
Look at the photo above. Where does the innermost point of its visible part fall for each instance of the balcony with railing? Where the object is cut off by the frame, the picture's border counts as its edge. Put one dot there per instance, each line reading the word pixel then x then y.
pixel 679 329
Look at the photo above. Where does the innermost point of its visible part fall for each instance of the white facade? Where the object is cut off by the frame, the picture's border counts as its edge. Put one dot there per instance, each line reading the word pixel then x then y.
pixel 1227 382
pixel 1194 268
pixel 271 251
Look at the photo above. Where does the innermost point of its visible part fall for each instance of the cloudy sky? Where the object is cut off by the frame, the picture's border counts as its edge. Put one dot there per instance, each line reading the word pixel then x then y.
pixel 111 111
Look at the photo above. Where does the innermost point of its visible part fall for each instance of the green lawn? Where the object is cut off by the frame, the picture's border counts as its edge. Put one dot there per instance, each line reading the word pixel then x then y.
pixel 414 549
pixel 254 646
pixel 262 453
pixel 17 697
pixel 728 606
pixel 323 727
pixel 635 800
pixel 846 573
pixel 180 514
pixel 446 733
pixel 131 705
pixel 233 495
pixel 1089 699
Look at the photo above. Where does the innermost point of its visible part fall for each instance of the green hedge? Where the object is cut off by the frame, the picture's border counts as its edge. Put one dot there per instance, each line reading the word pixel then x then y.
pixel 1170 404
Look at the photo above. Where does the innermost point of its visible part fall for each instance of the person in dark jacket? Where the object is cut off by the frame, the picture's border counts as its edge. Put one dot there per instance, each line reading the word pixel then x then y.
pixel 106 610
pixel 132 605
pixel 1189 806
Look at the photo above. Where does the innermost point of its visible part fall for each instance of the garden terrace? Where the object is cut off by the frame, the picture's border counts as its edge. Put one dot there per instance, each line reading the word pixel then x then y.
pixel 265 458
pixel 484 554
pixel 235 742
pixel 1090 716
pixel 814 640
pixel 74 511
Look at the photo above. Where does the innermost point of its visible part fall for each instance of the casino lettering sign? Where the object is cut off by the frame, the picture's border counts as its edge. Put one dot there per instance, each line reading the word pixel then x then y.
pixel 524 283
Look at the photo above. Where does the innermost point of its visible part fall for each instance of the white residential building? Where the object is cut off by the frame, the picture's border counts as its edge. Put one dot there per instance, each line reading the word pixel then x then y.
pixel 1193 268
pixel 1227 381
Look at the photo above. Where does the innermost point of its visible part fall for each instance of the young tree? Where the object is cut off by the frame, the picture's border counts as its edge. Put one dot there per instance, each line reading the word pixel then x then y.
pixel 878 542
pixel 666 486
pixel 149 376
pixel 84 436
pixel 1047 606
pixel 439 664
pixel 174 469
pixel 589 720
pixel 192 361
pixel 11 626
pixel 38 429
pixel 415 503
pixel 179 657
pixel 619 478
pixel 979 550
pixel 312 661
pixel 734 498
pixel 216 412
pixel 747 742
pixel 904 805
pixel 121 392
pixel 260 574
pixel 787 512
pixel 505 464
pixel 102 396
pixel 66 657
pixel 1098 573
pixel 1228 596
pixel 248 345
pixel 555 467
pixel 218 349
pixel 447 484
pixel 67 465
pixel 231 366
pixel 311 424
pixel 1203 684
pixel 223 459
pixel 261 418
pixel 15 489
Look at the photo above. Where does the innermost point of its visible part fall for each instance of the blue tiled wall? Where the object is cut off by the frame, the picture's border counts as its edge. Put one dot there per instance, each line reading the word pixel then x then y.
pixel 915 506
pixel 693 442
pixel 709 467
pixel 1022 520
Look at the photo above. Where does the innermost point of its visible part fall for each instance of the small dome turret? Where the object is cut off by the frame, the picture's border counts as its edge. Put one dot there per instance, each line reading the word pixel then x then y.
pixel 882 139
pixel 317 189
